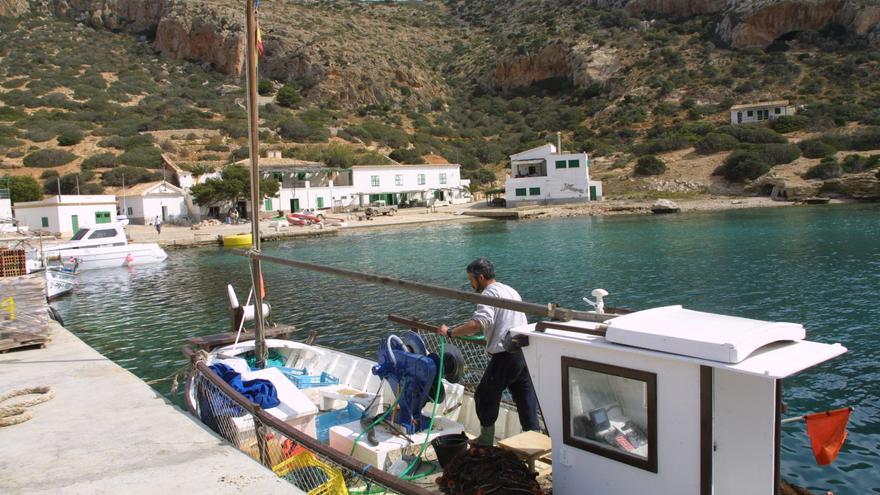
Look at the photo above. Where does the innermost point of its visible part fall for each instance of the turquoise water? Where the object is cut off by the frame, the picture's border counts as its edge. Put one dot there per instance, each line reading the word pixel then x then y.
pixel 819 266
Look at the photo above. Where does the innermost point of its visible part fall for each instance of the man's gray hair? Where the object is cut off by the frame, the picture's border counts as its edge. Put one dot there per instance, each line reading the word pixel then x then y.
pixel 482 266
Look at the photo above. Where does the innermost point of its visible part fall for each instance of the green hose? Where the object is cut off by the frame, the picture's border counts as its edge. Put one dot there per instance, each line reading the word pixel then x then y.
pixel 433 415
pixel 379 420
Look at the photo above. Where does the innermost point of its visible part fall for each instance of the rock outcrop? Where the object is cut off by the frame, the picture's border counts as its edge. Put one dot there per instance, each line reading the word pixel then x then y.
pixel 582 64
pixel 13 8
pixel 865 186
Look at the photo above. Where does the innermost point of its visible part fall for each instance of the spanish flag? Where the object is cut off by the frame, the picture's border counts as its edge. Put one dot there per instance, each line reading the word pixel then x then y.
pixel 260 48
pixel 827 432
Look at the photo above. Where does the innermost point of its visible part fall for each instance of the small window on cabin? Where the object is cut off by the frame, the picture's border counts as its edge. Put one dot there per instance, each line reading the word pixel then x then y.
pixel 421 179
pixel 443 178
pixel 79 234
pixel 521 191
pixel 574 163
pixel 610 411
pixel 777 110
pixel 103 234
pixel 560 163
pixel 374 180
pixel 44 221
pixel 534 191
pixel 750 113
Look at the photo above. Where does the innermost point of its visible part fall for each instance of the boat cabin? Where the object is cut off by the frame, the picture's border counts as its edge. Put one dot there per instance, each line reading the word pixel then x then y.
pixel 110 234
pixel 666 400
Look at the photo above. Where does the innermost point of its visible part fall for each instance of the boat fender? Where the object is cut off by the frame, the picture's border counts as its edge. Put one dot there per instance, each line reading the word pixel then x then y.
pixel 233 299
pixel 55 316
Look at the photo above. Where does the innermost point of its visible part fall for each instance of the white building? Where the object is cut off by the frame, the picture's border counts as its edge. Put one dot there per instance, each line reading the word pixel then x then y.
pixel 5 204
pixel 759 112
pixel 543 175
pixel 142 203
pixel 65 214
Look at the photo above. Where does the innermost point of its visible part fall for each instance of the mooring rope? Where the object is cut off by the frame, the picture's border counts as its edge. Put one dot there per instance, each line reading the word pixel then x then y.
pixel 19 413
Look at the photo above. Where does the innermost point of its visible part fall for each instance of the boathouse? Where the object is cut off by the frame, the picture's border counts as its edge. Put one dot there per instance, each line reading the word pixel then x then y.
pixel 760 112
pixel 65 214
pixel 143 203
pixel 544 175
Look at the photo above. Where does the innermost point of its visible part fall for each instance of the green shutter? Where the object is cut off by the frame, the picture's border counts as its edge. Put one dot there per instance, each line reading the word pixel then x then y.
pixel 521 191
pixel 320 202
pixel 574 163
pixel 560 163
pixel 102 217
pixel 45 222
pixel 534 191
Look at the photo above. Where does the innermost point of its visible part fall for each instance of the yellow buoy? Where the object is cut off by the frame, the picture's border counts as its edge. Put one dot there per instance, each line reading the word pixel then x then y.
pixel 237 240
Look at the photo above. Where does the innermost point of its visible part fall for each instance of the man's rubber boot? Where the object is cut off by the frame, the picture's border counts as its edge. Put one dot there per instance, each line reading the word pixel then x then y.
pixel 487 436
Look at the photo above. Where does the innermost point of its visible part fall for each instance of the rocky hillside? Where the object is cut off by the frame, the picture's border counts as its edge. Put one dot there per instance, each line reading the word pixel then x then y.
pixel 467 81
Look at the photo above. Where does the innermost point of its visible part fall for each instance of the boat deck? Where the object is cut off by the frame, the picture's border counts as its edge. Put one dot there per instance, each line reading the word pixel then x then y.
pixel 106 431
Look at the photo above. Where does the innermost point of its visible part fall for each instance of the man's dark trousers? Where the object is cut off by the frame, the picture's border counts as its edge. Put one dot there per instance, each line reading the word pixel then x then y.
pixel 507 370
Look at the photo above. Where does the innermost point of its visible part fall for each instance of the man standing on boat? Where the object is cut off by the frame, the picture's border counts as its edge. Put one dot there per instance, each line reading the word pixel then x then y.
pixel 507 365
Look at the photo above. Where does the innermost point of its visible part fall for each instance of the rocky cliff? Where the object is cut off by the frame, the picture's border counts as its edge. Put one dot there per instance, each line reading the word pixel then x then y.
pixel 13 8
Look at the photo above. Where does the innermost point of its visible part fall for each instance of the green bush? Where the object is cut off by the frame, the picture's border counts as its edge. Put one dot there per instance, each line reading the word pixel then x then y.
pixel 741 166
pixel 101 160
pixel 69 135
pixel 753 134
pixel 816 148
pixel 859 163
pixel 143 156
pixel 49 174
pixel 828 168
pixel 789 123
pixel 480 176
pixel 40 134
pixel 49 157
pixel 239 154
pixel 132 175
pixel 69 183
pixel 296 129
pixel 778 154
pixel 265 87
pixel 11 114
pixel 23 188
pixel 288 96
pixel 715 142
pixel 408 156
pixel 201 169
pixel 649 165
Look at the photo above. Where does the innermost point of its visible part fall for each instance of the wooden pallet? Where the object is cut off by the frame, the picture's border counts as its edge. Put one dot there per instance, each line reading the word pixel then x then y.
pixel 16 340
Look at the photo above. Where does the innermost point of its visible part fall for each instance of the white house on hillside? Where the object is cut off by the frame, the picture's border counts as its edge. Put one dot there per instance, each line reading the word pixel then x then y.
pixel 65 214
pixel 543 175
pixel 759 112
pixel 144 202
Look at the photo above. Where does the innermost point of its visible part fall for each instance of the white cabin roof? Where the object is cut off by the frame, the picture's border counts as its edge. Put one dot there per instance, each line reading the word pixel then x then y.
pixel 673 329
pixel 534 153
pixel 776 358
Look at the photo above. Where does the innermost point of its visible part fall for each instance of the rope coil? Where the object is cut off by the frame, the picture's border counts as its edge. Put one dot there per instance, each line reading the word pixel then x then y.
pixel 18 412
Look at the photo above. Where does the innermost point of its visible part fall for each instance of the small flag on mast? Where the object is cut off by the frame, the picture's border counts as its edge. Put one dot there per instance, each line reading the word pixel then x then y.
pixel 260 48
pixel 827 432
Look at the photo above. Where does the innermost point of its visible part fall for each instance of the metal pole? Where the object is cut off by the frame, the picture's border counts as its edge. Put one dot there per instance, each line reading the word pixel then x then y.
pixel 548 310
pixel 77 184
pixel 253 137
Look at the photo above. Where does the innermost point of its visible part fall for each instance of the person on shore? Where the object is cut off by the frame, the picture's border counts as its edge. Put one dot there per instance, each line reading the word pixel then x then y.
pixel 507 365
pixel 158 225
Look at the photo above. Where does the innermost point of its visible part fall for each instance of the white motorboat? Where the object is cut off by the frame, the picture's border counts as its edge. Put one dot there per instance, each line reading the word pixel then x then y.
pixel 105 246
pixel 59 282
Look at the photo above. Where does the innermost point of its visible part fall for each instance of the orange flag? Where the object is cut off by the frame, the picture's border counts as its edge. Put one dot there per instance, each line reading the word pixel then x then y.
pixel 827 432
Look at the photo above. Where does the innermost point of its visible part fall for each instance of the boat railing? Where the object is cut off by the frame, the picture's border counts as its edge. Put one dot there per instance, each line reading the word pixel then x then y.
pixel 292 454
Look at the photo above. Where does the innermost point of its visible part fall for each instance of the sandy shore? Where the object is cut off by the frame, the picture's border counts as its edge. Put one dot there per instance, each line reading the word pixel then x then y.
pixel 178 236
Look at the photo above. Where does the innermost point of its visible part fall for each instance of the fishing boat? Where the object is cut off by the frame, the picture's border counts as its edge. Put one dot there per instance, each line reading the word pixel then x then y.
pixel 59 282
pixel 665 400
pixel 105 246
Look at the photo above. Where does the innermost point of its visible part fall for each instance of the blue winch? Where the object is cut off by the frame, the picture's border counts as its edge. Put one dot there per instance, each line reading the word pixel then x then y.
pixel 405 363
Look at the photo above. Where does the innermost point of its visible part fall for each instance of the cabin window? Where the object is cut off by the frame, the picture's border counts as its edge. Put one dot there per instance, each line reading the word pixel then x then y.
pixel 374 180
pixel 443 178
pixel 574 163
pixel 421 179
pixel 44 221
pixel 102 217
pixel 750 113
pixel 560 163
pixel 521 191
pixel 103 234
pixel 398 180
pixel 534 191
pixel 610 411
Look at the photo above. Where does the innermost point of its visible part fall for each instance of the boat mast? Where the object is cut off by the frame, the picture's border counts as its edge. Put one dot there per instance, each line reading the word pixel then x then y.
pixel 253 140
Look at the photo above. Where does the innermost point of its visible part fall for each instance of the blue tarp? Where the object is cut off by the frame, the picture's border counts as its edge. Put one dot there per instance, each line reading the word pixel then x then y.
pixel 258 391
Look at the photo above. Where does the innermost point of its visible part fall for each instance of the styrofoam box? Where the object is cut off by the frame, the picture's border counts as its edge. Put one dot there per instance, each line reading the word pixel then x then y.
pixel 342 437
pixel 295 409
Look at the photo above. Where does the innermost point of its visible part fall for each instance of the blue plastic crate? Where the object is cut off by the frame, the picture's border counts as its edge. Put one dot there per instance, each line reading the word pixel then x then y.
pixel 309 381
pixel 329 419
pixel 292 373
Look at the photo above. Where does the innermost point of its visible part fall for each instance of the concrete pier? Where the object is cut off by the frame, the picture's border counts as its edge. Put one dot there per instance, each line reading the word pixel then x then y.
pixel 106 431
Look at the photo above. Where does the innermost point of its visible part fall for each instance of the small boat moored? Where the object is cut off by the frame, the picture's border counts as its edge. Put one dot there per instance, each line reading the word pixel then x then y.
pixel 104 246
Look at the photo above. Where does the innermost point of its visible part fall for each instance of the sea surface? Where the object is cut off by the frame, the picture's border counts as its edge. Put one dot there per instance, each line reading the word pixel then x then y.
pixel 819 266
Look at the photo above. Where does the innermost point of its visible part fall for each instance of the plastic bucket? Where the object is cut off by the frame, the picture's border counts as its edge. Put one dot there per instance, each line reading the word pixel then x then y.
pixel 448 446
